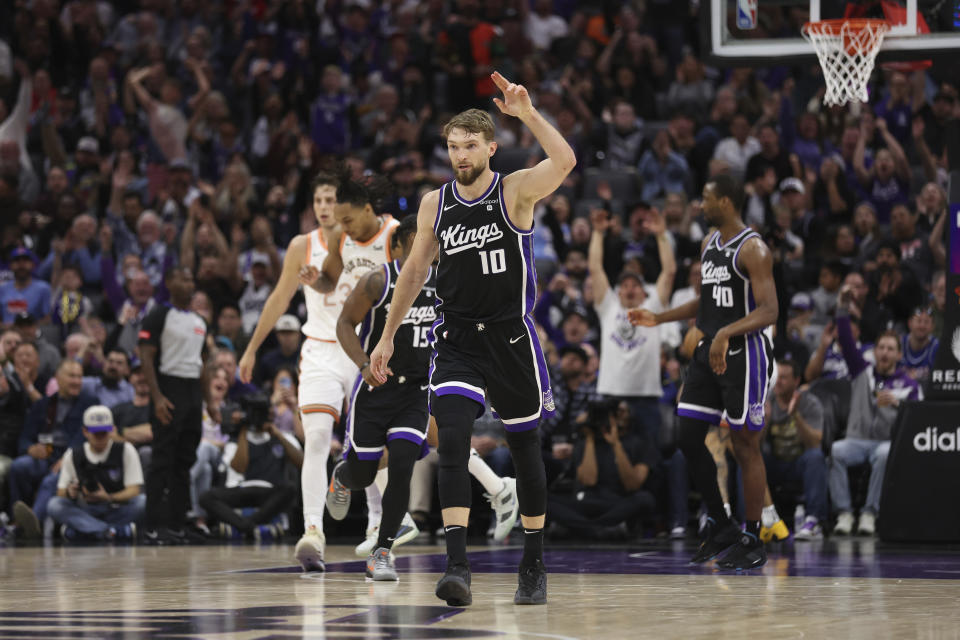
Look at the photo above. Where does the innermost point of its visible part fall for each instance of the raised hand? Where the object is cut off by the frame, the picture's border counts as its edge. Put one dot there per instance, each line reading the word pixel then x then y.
pixel 655 223
pixel 516 101
pixel 600 220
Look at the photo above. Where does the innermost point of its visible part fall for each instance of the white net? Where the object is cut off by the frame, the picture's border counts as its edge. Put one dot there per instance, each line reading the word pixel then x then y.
pixel 847 50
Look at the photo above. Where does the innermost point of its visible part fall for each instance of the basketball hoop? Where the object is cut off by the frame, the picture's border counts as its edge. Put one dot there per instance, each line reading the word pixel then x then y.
pixel 847 50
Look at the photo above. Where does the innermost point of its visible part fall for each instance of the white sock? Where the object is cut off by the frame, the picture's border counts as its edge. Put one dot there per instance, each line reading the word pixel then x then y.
pixel 480 470
pixel 375 499
pixel 726 507
pixel 317 431
pixel 769 516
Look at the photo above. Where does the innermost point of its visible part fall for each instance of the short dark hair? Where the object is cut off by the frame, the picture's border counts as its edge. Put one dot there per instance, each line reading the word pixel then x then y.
pixel 323 179
pixel 890 333
pixel 794 367
pixel 836 267
pixel 726 186
pixel 406 228
pixel 229 305
pixel 891 244
pixel 122 352
pixel 372 189
pixel 576 351
pixel 175 268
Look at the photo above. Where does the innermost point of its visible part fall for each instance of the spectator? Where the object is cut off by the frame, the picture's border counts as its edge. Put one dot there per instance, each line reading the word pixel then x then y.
pixel 827 362
pixel 542 26
pixel 132 419
pixel 867 231
pixel 111 388
pixel 17 393
pixel 691 92
pixel 53 425
pixel 212 442
pixel 897 107
pixel 572 395
pixel 737 150
pixel 771 155
pixel 938 300
pixel 258 462
pixel 919 345
pixel 617 144
pixel 914 245
pixel 226 359
pixel 331 114
pixel 662 169
pixel 894 293
pixel 876 393
pixel 70 307
pixel 887 182
pixel 794 434
pixel 26 325
pixel 229 326
pixel 629 355
pixel 25 294
pixel 758 209
pixel 286 407
pixel 833 198
pixel 824 297
pixel 286 354
pixel 614 466
pixel 99 492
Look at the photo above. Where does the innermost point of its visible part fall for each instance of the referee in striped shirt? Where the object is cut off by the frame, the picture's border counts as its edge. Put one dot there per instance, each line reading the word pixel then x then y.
pixel 172 350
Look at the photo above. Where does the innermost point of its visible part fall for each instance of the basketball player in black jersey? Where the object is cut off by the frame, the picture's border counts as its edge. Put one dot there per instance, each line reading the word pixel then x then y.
pixel 730 369
pixel 485 346
pixel 389 415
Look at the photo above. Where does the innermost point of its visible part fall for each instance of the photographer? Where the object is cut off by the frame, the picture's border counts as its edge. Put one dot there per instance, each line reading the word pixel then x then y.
pixel 613 472
pixel 99 489
pixel 257 469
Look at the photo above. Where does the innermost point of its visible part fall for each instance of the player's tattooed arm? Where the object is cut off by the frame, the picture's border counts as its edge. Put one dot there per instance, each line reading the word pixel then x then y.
pixel 361 300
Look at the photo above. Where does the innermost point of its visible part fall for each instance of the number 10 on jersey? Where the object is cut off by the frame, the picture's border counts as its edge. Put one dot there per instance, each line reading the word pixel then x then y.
pixel 723 296
pixel 493 261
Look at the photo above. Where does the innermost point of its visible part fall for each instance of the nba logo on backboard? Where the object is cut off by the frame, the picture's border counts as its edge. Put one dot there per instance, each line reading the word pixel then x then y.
pixel 747 14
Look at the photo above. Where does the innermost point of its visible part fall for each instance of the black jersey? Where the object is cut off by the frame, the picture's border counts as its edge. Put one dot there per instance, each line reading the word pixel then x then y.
pixel 411 345
pixel 725 292
pixel 486 271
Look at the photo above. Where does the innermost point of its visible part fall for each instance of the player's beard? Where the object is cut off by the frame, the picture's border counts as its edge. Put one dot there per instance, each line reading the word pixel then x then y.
pixel 467 177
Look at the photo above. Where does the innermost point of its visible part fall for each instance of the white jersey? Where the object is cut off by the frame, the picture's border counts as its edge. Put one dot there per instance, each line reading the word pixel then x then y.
pixel 358 258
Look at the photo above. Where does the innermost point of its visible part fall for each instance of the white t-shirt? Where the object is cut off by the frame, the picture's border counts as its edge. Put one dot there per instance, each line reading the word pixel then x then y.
pixel 629 355
pixel 543 31
pixel 132 471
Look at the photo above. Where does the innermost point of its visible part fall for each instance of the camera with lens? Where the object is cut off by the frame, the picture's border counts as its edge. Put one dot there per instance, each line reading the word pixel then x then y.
pixel 599 412
pixel 252 411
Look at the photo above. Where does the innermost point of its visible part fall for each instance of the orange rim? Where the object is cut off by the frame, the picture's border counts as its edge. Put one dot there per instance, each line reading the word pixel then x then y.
pixel 835 27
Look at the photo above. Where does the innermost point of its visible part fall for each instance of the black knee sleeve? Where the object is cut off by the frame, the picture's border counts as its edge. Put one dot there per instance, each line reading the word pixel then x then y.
pixel 531 476
pixel 691 436
pixel 403 454
pixel 358 474
pixel 455 417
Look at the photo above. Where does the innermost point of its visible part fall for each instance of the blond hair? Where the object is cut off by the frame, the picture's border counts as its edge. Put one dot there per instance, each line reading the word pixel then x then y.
pixel 471 121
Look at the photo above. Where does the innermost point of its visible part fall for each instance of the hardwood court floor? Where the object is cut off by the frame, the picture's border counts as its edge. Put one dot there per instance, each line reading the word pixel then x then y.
pixel 851 589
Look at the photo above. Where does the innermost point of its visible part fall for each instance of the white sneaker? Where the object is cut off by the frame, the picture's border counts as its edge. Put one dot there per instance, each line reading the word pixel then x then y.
pixel 868 524
pixel 844 524
pixel 505 508
pixel 309 550
pixel 366 547
pixel 810 530
pixel 408 531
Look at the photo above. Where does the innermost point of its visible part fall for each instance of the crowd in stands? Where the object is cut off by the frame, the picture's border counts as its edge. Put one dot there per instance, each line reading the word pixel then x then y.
pixel 143 134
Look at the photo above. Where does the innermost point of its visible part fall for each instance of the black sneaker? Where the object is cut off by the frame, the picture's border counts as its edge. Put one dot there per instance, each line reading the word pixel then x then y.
pixel 747 553
pixel 716 542
pixel 531 584
pixel 454 586
pixel 159 537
